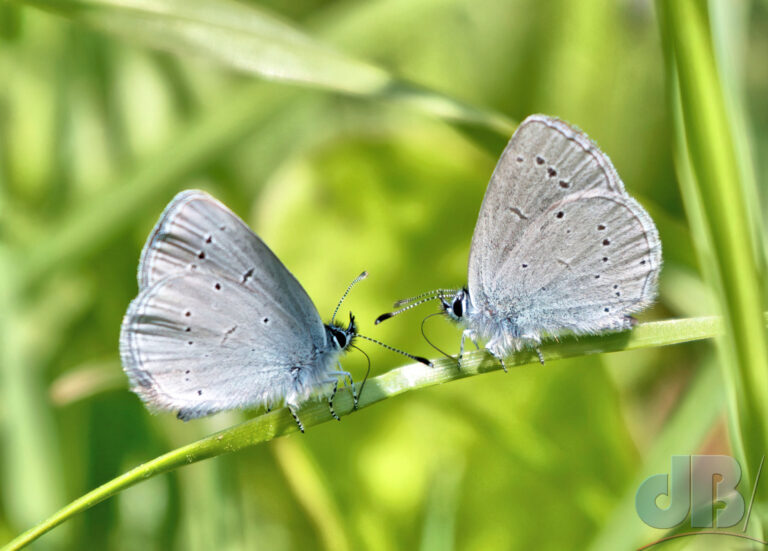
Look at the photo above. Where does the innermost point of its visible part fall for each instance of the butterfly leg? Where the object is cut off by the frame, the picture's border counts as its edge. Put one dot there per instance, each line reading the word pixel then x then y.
pixel 498 356
pixel 346 374
pixel 330 400
pixel 529 341
pixel 292 409
pixel 464 335
pixel 355 395
pixel 350 383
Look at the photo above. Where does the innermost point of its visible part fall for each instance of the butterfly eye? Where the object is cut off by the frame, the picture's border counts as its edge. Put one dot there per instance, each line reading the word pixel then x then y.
pixel 458 309
pixel 340 338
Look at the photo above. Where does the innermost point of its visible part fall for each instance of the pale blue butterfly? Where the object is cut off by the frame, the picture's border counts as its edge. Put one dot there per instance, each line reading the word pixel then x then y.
pixel 220 323
pixel 559 247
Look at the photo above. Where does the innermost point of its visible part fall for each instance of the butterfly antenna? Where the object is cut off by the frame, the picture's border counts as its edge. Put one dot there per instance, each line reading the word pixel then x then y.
pixel 444 292
pixel 357 280
pixel 368 372
pixel 393 349
pixel 440 293
pixel 429 342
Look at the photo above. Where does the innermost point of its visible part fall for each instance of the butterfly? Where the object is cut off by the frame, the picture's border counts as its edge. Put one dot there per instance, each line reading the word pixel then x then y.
pixel 220 323
pixel 559 247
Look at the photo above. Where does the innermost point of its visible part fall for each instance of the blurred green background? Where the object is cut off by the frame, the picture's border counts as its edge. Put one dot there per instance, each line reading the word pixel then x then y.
pixel 100 125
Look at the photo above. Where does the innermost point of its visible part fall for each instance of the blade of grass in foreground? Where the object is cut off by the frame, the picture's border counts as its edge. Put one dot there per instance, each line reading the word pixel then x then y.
pixel 390 384
pixel 719 200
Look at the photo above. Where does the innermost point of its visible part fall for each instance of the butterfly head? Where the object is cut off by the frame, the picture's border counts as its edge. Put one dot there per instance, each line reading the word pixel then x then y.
pixel 456 307
pixel 341 337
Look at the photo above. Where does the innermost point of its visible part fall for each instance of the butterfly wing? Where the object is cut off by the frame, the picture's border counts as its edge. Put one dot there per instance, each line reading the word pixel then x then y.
pixel 545 161
pixel 583 265
pixel 200 343
pixel 198 234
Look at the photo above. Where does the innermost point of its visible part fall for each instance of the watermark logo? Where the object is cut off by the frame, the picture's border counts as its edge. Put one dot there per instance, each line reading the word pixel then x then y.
pixel 702 486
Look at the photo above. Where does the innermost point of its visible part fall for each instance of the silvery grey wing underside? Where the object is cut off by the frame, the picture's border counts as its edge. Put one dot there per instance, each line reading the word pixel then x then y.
pixel 545 161
pixel 197 233
pixel 582 265
pixel 201 343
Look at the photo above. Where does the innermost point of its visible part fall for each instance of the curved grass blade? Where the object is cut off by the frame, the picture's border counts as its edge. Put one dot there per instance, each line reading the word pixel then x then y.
pixel 248 39
pixel 390 384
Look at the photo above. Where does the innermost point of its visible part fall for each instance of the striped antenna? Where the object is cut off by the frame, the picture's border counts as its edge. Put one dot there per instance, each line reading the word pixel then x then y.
pixel 439 293
pixel 444 292
pixel 393 349
pixel 357 280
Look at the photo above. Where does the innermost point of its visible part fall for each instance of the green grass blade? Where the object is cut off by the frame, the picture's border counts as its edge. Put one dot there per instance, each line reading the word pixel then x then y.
pixel 731 260
pixel 248 39
pixel 237 35
pixel 730 31
pixel 393 383
pixel 94 222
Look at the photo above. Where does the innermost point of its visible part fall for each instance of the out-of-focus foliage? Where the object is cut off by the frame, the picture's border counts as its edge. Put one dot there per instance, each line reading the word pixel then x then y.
pixel 97 133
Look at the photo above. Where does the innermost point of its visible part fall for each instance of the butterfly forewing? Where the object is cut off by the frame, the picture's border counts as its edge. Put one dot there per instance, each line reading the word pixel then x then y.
pixel 583 265
pixel 545 161
pixel 198 234
pixel 201 343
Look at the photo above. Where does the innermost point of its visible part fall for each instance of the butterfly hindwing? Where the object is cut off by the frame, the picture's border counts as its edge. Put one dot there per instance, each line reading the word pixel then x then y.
pixel 201 343
pixel 582 265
